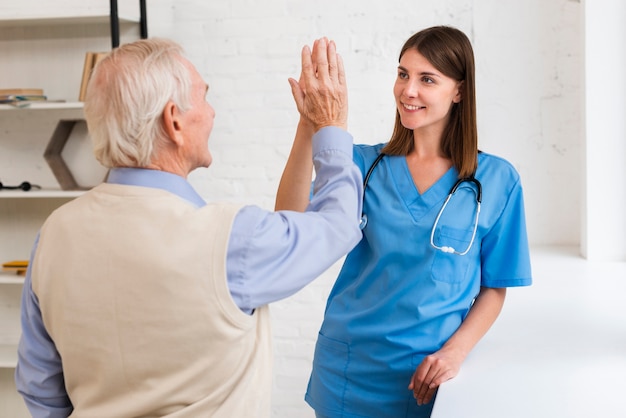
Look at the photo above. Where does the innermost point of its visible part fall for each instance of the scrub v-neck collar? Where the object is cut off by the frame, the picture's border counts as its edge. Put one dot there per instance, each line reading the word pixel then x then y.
pixel 418 203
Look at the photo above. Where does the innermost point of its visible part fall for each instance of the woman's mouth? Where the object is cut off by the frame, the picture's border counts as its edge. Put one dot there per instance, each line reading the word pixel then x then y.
pixel 412 107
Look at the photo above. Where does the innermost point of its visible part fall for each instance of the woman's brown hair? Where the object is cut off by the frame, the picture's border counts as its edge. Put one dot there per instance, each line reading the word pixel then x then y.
pixel 449 51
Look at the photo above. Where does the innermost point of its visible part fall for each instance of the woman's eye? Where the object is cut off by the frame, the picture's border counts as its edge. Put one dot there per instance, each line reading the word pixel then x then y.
pixel 428 80
pixel 403 75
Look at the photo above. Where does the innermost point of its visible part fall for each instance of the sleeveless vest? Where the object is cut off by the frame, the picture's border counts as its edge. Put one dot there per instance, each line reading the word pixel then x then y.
pixel 131 283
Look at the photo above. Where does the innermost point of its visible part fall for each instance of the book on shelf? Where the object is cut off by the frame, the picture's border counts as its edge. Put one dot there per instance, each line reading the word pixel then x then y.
pixel 8 98
pixel 91 59
pixel 16 266
pixel 21 100
pixel 21 92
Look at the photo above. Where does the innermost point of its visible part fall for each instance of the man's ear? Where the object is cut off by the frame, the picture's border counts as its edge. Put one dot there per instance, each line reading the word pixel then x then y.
pixel 172 123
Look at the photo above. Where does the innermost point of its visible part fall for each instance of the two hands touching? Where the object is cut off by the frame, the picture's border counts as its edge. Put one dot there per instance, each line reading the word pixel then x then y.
pixel 321 94
pixel 321 98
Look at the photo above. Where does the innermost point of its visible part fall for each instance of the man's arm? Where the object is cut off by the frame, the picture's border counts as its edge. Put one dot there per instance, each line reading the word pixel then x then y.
pixel 39 372
pixel 272 255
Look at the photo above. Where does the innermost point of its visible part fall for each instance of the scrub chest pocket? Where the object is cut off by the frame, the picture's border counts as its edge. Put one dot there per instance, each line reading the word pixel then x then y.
pixel 448 267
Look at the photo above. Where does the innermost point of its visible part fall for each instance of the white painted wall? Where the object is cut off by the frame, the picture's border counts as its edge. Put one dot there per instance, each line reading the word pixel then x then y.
pixel 603 221
pixel 529 67
pixel 529 60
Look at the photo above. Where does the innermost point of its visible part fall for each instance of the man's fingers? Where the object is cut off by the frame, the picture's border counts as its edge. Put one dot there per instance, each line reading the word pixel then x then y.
pixel 308 71
pixel 322 62
pixel 333 66
pixel 320 57
pixel 319 95
pixel 341 73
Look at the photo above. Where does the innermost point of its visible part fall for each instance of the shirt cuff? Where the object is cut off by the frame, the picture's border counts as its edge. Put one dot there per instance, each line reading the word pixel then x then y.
pixel 332 138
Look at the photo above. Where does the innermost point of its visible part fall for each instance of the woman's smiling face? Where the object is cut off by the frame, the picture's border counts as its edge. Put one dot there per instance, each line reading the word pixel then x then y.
pixel 423 95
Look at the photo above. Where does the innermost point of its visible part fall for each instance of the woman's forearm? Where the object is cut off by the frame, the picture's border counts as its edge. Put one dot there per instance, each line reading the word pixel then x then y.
pixel 295 183
pixel 480 318
pixel 444 364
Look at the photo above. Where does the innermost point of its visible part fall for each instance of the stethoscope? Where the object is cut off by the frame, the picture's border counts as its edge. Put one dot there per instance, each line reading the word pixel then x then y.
pixel 446 249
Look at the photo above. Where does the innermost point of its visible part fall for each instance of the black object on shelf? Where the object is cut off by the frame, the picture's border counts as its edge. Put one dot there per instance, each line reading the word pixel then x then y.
pixel 143 19
pixel 115 22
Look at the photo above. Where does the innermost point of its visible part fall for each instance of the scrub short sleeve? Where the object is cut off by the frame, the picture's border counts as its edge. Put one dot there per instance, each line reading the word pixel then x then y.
pixel 505 255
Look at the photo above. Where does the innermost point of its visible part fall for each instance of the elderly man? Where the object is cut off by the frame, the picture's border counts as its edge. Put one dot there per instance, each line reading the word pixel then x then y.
pixel 143 300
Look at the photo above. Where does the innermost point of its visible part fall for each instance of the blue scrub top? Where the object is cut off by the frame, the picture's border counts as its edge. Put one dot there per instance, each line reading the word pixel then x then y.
pixel 398 299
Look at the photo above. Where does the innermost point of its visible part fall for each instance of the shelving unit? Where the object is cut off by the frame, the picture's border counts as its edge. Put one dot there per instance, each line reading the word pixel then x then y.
pixel 24 138
pixel 43 45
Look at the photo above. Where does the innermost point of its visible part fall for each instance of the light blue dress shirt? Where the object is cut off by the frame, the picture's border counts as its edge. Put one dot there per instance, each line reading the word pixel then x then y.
pixel 271 255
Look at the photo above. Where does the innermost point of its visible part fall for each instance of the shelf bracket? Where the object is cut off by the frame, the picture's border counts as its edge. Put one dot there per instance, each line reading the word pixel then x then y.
pixel 53 157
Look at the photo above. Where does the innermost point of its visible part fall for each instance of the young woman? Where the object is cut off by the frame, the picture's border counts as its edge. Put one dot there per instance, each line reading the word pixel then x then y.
pixel 444 235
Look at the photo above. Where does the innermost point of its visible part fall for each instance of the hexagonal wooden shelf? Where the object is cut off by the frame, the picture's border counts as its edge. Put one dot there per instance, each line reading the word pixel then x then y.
pixel 53 156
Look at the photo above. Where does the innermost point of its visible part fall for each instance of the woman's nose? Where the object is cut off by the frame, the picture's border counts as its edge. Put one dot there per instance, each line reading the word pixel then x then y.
pixel 411 89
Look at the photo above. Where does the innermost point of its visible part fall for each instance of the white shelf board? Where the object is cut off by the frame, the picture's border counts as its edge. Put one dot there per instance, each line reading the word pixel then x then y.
pixel 59 21
pixel 63 21
pixel 40 194
pixel 10 278
pixel 62 12
pixel 43 105
pixel 8 356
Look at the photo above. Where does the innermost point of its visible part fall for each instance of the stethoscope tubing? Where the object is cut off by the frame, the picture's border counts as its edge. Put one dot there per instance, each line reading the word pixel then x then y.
pixel 478 193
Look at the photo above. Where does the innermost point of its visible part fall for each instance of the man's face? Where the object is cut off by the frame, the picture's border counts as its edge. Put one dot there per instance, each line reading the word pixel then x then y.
pixel 198 122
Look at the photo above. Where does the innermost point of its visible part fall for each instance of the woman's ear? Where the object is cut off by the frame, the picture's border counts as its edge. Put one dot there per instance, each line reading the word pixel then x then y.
pixel 172 123
pixel 459 95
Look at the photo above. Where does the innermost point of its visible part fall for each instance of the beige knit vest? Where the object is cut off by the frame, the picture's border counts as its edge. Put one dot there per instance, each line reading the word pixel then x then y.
pixel 132 287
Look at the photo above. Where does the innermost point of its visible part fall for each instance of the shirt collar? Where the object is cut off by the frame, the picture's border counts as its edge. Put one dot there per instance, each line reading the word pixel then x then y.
pixel 156 179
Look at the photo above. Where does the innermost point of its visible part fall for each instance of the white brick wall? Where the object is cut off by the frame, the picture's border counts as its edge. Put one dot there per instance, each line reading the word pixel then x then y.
pixel 529 73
